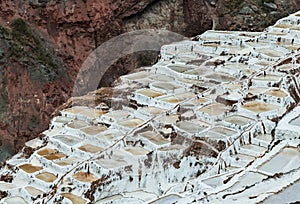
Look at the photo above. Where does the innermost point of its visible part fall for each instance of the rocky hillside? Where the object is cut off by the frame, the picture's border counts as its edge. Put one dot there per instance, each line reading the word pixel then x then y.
pixel 44 42
pixel 34 81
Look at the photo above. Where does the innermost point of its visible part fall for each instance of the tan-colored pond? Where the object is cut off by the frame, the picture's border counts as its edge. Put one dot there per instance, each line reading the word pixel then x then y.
pixel 277 93
pixel 131 123
pixel 191 127
pixel 214 109
pixel 92 113
pixel 178 68
pixel 85 177
pixel 152 110
pixel 93 130
pixel 220 77
pixel 170 99
pixel 154 138
pixel 46 176
pixel 51 154
pixel 268 77
pixel 150 93
pixel 165 86
pixel 77 124
pixel 137 150
pixel 69 140
pixel 47 151
pixel 259 107
pixel 55 156
pixel 29 168
pixel 90 148
pixel 74 198
pixel 75 109
pixel 68 161
pixel 33 191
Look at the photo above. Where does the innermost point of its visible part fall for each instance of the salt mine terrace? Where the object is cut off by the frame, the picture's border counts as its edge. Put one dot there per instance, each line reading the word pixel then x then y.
pixel 216 120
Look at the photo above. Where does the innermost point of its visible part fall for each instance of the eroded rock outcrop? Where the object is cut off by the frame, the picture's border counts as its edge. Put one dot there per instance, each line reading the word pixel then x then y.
pixel 34 81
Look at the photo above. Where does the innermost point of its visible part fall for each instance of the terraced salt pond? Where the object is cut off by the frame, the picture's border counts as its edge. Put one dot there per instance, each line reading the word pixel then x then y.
pixel 285 161
pixel 295 121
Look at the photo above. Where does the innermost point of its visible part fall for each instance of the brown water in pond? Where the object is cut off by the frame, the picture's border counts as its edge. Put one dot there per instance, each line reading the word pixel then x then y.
pixel 85 177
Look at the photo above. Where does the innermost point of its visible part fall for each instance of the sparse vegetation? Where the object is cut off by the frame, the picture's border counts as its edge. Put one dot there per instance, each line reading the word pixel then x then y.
pixel 147 58
pixel 28 49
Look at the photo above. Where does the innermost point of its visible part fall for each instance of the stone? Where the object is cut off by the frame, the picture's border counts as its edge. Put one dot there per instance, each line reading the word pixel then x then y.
pixel 213 3
pixel 270 5
pixel 246 10
pixel 254 8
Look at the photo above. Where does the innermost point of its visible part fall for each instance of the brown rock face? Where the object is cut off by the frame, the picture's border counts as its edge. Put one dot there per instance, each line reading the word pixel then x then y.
pixel 34 81
pixel 32 85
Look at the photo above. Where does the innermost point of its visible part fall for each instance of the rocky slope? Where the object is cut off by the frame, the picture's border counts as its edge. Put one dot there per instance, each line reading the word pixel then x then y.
pixel 67 31
pixel 33 82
